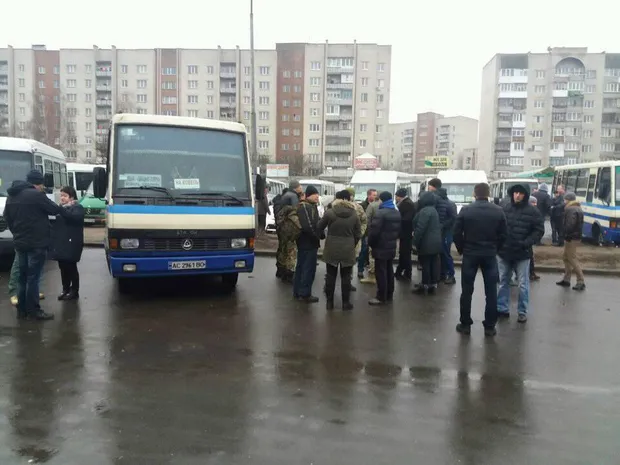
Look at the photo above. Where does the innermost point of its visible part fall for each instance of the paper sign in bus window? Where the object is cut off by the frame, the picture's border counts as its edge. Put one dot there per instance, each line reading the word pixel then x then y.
pixel 191 183
pixel 138 180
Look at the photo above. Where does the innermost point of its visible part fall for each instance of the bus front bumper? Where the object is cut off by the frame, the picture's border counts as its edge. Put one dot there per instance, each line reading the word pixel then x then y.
pixel 135 265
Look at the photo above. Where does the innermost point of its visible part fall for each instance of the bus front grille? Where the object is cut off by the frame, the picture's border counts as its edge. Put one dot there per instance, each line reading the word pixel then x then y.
pixel 183 244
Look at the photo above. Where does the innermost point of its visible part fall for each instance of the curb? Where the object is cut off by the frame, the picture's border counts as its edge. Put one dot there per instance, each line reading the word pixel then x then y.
pixel 542 268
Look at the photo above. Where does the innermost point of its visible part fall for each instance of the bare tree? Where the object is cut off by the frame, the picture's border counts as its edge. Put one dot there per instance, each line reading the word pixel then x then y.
pixel 300 164
pixel 41 124
pixel 125 105
pixel 5 128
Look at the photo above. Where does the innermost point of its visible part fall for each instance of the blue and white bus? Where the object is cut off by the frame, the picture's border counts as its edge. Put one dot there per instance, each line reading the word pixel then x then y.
pixel 180 199
pixel 597 187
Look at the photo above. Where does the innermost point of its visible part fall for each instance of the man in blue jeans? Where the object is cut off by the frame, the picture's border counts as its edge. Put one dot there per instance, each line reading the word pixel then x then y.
pixel 308 244
pixel 479 232
pixel 14 282
pixel 27 214
pixel 526 227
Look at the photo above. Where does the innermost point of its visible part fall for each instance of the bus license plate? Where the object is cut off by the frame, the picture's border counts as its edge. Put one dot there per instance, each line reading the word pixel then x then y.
pixel 194 265
pixel 89 220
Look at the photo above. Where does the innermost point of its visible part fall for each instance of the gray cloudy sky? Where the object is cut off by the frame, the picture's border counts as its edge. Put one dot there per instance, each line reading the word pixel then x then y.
pixel 438 48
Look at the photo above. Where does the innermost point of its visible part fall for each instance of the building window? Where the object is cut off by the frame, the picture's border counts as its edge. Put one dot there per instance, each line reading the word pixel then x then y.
pixel 263 115
pixel 21 82
pixel 263 129
pixel 314 142
pixel 364 66
pixel 296 89
pixel 124 69
pixel 315 81
pixel 286 88
pixel 247 70
pixel 363 127
pixel 264 70
pixel 381 67
pixel 263 85
pixel 71 83
pixel 247 100
pixel 286 103
pixel 379 113
pixel 263 101
pixel 141 98
pixel 192 99
pixel 540 74
pixel 41 70
pixel 363 143
pixel 192 84
pixel 209 99
pixel 365 81
pixel 263 144
pixel 364 97
pixel 71 69
pixel 315 66
pixel 284 146
pixel 210 85
pixel 314 127
pixel 169 85
pixel 168 100
pixel 314 112
pixel 539 104
pixel 246 115
pixel 315 97
pixel 286 131
pixel 588 118
pixel 588 104
pixel 286 74
pixel 539 89
pixel 171 71
pixel 538 134
pixel 210 69
pixel 192 69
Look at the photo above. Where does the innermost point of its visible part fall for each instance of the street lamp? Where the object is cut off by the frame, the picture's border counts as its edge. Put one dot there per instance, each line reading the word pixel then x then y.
pixel 253 91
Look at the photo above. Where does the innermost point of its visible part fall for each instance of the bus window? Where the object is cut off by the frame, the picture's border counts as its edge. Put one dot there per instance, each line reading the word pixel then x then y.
pixel 571 181
pixel 582 183
pixel 591 184
pixel 63 175
pixel 38 163
pixel 57 175
pixel 603 185
pixel 48 167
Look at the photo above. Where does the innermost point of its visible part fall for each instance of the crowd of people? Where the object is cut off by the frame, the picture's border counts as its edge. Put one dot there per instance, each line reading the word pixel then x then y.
pixel 498 240
pixel 42 229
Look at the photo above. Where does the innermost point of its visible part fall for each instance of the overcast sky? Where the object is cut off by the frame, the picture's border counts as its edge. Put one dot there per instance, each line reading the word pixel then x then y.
pixel 438 48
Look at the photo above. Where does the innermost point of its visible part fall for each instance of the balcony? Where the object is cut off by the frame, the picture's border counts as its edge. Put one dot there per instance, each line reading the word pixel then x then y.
pixel 103 73
pixel 340 100
pixel 504 124
pixel 4 86
pixel 228 90
pixel 338 164
pixel 103 116
pixel 560 92
pixel 339 85
pixel 228 74
pixel 338 148
pixel 506 110
pixel 102 132
pixel 340 70
pixel 104 103
pixel 226 104
pixel 338 132
pixel 103 88
pixel 341 117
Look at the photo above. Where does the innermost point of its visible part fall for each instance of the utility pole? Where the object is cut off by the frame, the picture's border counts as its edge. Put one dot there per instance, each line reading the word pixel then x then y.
pixel 252 64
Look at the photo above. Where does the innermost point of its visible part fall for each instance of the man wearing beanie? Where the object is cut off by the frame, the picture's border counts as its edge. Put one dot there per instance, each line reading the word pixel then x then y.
pixel 27 214
pixel 383 237
pixel 285 210
pixel 406 207
pixel 308 244
pixel 572 228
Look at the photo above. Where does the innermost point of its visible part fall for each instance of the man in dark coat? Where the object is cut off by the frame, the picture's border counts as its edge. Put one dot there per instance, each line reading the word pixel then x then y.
pixel 343 234
pixel 406 207
pixel 543 202
pixel 68 242
pixel 447 216
pixel 383 235
pixel 573 230
pixel 428 241
pixel 308 244
pixel 557 217
pixel 479 232
pixel 525 228
pixel 27 213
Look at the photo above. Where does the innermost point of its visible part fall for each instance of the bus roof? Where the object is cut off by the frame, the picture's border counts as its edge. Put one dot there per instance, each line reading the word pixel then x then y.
pixel 596 164
pixel 374 177
pixel 318 182
pixel 497 181
pixel 17 144
pixel 181 121
pixel 82 167
pixel 462 176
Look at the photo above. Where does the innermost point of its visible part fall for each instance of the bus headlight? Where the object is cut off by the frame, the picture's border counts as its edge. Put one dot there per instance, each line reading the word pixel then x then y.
pixel 130 243
pixel 238 243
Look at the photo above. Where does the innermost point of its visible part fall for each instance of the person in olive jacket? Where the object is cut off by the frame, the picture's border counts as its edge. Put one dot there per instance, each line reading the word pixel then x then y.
pixel 525 229
pixel 68 242
pixel 573 230
pixel 428 240
pixel 343 234
pixel 383 237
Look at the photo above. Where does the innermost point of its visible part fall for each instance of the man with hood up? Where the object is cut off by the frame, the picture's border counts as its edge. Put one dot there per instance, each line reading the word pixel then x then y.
pixel 428 241
pixel 544 202
pixel 447 217
pixel 525 228
pixel 27 213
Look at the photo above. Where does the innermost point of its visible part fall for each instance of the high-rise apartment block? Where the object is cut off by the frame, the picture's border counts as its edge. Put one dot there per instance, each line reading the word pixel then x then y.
pixel 434 141
pixel 549 109
pixel 316 104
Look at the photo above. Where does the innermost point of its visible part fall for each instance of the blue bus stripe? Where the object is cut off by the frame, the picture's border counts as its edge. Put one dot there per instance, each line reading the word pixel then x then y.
pixel 597 205
pixel 179 210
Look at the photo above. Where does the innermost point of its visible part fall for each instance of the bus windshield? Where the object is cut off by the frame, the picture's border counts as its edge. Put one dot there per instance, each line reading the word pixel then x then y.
pixel 462 193
pixel 83 180
pixel 183 160
pixel 533 185
pixel 362 189
pixel 13 166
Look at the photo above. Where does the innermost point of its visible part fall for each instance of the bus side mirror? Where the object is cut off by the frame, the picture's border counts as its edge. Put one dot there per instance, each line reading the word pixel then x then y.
pixel 259 188
pixel 100 182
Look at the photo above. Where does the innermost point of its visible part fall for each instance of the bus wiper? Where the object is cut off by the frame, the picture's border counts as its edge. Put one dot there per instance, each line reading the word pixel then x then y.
pixel 165 190
pixel 214 194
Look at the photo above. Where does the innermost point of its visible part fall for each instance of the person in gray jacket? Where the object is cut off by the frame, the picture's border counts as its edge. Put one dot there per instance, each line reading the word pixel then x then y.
pixel 343 234
pixel 371 211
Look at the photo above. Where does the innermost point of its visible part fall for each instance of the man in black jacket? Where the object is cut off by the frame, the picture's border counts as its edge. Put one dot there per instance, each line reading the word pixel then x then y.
pixel 308 244
pixel 383 234
pixel 406 207
pixel 27 214
pixel 447 216
pixel 557 217
pixel 479 232
pixel 526 227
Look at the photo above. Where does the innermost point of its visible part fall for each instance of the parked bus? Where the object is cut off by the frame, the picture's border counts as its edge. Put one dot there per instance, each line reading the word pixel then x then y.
pixel 459 184
pixel 327 191
pixel 380 180
pixel 17 158
pixel 180 198
pixel 81 178
pixel 275 187
pixel 597 187
pixel 500 187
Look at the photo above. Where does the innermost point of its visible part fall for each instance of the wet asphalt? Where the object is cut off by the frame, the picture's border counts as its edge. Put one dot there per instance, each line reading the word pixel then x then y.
pixel 178 373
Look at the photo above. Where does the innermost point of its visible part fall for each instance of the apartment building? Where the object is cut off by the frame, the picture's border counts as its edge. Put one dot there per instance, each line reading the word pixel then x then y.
pixel 319 104
pixel 401 147
pixel 66 97
pixel 549 109
pixel 333 103
pixel 439 142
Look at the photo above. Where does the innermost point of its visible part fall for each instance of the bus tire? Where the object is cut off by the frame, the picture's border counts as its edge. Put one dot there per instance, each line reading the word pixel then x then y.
pixel 229 281
pixel 124 285
pixel 597 236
